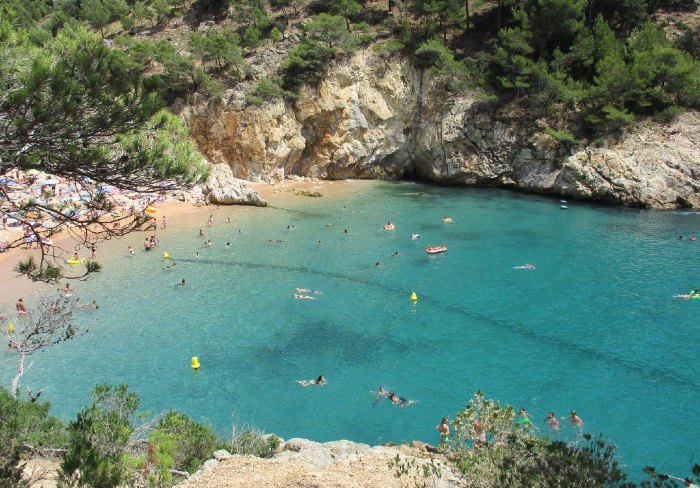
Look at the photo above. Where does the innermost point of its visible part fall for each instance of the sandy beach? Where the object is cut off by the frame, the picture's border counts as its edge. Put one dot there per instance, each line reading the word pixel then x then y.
pixel 180 215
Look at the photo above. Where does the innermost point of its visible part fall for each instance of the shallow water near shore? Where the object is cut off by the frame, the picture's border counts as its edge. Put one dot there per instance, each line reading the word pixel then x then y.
pixel 593 328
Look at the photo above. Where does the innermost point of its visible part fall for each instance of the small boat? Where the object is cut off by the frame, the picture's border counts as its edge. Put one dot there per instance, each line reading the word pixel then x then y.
pixel 562 201
pixel 435 249
pixel 563 207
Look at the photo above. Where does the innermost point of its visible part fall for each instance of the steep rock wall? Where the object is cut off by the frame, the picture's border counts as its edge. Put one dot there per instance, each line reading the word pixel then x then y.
pixel 380 117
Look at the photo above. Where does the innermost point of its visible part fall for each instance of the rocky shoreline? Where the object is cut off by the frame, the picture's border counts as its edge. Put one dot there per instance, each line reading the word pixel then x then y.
pixel 375 118
pixel 340 464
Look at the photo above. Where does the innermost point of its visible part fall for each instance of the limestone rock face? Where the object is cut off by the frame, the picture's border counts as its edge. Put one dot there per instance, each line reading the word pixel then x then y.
pixel 222 188
pixel 380 117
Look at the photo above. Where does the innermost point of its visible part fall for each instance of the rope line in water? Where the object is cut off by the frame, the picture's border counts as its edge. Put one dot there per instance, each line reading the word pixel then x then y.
pixel 638 367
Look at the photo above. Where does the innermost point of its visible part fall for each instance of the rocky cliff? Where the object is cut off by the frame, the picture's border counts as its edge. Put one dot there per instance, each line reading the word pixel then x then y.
pixel 338 464
pixel 380 117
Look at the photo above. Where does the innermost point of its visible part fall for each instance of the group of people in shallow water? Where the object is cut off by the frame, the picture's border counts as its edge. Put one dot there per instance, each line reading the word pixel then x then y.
pixel 523 417
pixel 392 397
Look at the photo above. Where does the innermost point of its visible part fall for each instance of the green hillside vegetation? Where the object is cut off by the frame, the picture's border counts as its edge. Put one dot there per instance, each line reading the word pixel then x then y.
pixel 593 65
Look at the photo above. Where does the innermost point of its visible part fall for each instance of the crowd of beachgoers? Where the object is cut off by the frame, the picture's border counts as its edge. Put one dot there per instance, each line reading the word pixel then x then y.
pixel 69 197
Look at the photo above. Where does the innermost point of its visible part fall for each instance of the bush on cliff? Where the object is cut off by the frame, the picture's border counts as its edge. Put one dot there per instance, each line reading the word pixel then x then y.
pixel 492 448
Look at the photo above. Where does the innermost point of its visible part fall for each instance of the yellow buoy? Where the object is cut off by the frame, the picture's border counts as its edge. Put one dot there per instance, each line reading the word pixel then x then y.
pixel 414 297
pixel 10 327
pixel 166 256
pixel 195 362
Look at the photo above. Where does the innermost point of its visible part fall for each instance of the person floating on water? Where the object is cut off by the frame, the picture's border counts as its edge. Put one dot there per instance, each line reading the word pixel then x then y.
pixel 575 419
pixel 309 290
pixel 397 400
pixel 692 294
pixel 182 282
pixel 170 266
pixel 380 393
pixel 415 236
pixel 320 381
pixel 303 297
pixel 552 422
pixel 525 266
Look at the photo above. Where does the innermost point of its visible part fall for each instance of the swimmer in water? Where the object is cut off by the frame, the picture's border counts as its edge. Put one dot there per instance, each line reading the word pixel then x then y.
pixel 130 250
pixel 207 243
pixel 320 381
pixel 201 232
pixel 692 294
pixel 228 244
pixel 397 400
pixel 182 282
pixel 525 266
pixel 196 255
pixel 170 266
pixel 396 253
pixel 309 290
pixel 303 297
pixel 575 419
pixel 415 236
pixel 379 394
pixel 552 422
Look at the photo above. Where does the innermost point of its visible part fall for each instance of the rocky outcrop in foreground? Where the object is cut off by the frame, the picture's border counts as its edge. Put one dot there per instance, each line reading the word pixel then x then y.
pixel 380 117
pixel 338 464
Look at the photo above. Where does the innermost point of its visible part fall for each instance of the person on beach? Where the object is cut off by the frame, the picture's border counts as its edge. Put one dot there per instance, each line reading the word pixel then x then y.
pixel 21 309
pixel 575 419
pixel 552 422
pixel 444 428
pixel 93 250
pixel 320 381
pixel 228 220
pixel 165 222
pixel 210 222
pixel 397 400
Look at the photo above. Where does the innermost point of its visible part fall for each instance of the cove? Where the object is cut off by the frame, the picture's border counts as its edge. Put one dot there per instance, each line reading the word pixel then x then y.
pixel 593 327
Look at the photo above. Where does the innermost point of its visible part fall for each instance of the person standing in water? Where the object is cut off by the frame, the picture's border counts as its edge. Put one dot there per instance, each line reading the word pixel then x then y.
pixel 444 428
pixel 575 419
pixel 165 222
pixel 210 222
pixel 21 309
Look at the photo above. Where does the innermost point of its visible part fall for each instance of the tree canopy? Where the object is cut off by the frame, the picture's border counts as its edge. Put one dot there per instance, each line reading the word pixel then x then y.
pixel 76 109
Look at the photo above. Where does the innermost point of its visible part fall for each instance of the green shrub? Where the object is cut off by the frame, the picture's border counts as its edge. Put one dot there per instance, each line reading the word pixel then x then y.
pixel 193 442
pixel 251 442
pixel 306 63
pixel 560 135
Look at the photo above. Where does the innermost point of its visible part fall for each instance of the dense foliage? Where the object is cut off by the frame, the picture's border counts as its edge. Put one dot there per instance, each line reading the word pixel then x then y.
pixel 592 66
pixel 110 444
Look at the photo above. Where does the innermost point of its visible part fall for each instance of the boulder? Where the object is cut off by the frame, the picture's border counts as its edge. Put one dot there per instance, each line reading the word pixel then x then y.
pixel 222 188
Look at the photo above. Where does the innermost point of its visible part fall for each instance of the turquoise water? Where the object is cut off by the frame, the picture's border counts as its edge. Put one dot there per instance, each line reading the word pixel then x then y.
pixel 594 327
